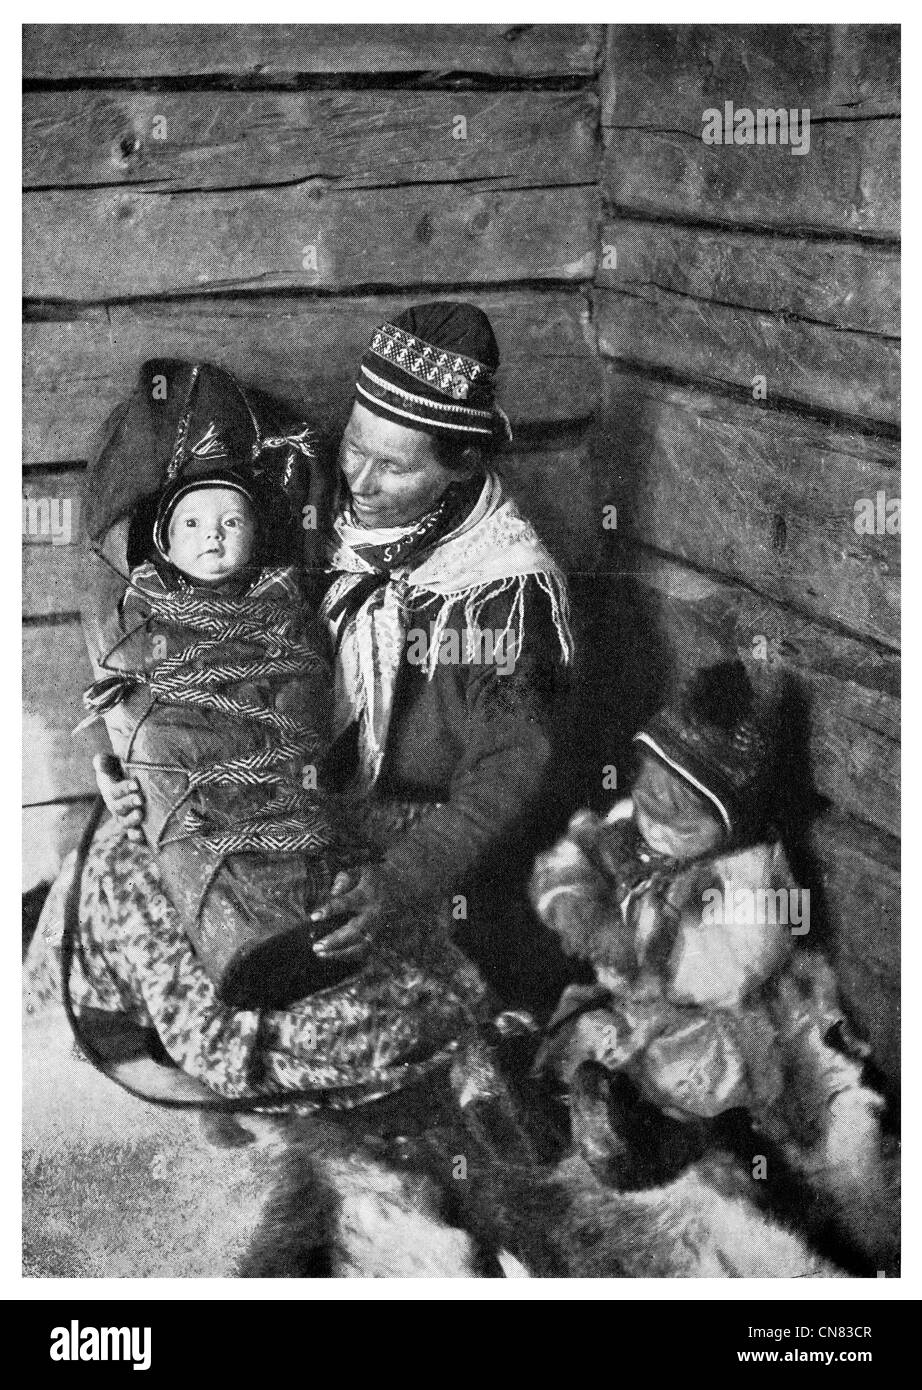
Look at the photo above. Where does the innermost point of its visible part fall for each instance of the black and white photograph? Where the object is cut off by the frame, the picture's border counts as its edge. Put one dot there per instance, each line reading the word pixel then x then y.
pixel 461 525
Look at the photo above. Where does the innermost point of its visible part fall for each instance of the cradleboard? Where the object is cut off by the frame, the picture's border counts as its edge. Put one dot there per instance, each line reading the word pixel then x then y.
pixel 218 704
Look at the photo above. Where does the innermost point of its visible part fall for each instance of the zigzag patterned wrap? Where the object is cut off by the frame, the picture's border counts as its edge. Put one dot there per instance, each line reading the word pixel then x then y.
pixel 224 704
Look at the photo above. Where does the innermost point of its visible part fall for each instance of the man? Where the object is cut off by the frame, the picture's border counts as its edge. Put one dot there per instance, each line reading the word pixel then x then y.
pixel 450 625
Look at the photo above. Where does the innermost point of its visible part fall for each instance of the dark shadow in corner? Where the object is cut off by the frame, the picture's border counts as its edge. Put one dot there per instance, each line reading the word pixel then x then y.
pixel 624 664
pixel 797 802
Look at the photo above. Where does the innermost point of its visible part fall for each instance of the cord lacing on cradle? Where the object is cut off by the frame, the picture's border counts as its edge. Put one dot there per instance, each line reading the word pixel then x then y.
pixel 292 819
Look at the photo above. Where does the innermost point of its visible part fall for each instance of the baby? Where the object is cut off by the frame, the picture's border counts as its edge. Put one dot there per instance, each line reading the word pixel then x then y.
pixel 214 682
pixel 706 1000
pixel 208 531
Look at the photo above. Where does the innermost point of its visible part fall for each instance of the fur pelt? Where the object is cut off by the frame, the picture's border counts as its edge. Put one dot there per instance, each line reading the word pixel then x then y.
pixel 484 1174
pixel 553 1222
pixel 117 1188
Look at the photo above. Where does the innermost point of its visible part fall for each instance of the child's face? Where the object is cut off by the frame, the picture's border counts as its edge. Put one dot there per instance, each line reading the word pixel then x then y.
pixel 671 816
pixel 210 535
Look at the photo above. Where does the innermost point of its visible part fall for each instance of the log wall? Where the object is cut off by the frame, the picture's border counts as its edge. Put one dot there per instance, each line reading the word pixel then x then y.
pixel 261 196
pixel 747 316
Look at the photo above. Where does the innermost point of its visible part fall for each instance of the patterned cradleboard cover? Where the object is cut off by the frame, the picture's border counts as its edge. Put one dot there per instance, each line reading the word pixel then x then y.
pixel 217 704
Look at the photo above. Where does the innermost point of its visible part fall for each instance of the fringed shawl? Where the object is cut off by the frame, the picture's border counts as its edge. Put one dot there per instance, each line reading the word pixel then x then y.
pixel 492 552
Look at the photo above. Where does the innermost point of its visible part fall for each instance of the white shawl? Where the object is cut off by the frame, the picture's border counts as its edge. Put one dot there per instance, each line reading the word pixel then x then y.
pixel 492 552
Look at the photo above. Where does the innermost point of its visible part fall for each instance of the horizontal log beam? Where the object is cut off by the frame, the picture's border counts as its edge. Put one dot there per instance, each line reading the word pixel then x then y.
pixel 819 321
pixel 279 52
pixel 302 350
pixel 83 245
pixel 756 495
pixel 175 141
pixel 659 80
pixel 656 73
pixel 849 184
pixel 840 286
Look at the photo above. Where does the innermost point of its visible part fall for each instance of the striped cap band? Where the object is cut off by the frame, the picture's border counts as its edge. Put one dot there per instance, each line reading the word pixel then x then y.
pixel 421 410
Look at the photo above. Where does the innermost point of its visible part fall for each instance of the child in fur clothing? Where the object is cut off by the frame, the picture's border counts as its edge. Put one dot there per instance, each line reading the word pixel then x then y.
pixel 707 1000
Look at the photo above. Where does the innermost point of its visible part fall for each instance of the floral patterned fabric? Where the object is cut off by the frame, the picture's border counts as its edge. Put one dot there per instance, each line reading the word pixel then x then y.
pixel 368 1036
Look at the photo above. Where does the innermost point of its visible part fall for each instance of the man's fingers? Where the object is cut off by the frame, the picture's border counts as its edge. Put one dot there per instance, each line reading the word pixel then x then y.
pixel 349 935
pixel 343 881
pixel 346 953
pixel 345 942
pixel 344 905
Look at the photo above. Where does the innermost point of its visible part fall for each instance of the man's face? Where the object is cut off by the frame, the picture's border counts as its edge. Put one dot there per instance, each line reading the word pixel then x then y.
pixel 210 536
pixel 391 470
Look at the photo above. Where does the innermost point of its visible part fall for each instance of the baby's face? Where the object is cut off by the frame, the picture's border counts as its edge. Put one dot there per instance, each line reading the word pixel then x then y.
pixel 671 816
pixel 210 536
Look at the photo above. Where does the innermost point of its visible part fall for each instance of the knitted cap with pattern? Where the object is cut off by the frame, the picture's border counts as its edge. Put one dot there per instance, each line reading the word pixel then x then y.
pixel 433 368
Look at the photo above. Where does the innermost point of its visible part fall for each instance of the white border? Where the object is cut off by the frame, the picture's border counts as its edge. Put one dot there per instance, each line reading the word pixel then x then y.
pixel 475 11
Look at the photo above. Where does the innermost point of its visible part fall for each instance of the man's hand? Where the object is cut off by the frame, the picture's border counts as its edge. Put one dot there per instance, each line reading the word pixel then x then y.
pixel 122 797
pixel 363 896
